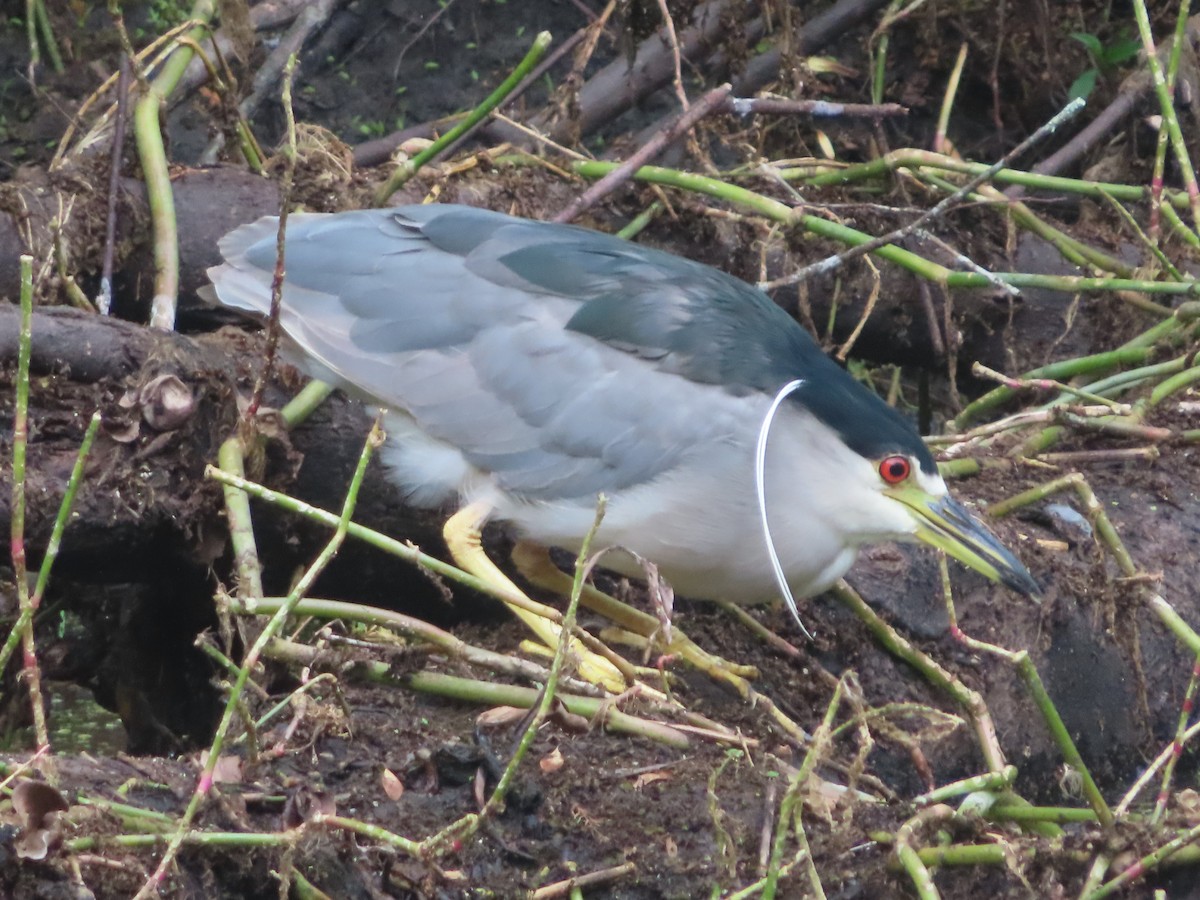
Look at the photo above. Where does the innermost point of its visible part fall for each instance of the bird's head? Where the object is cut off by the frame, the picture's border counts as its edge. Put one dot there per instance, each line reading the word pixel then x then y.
pixel 929 514
pixel 882 482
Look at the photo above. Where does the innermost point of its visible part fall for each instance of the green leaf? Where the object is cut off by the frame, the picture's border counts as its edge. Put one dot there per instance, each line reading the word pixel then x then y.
pixel 1121 50
pixel 1090 41
pixel 1083 86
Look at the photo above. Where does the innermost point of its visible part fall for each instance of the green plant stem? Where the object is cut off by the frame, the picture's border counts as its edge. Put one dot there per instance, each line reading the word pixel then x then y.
pixel 1166 103
pixel 1061 736
pixel 47 35
pixel 1185 713
pixel 1147 241
pixel 781 212
pixel 765 206
pixel 153 156
pixel 754 890
pixel 246 143
pixel 943 122
pixel 399 549
pixel 967 855
pixel 490 693
pixel 130 815
pixel 910 158
pixel 971 702
pixel 31 37
pixel 1071 249
pixel 265 719
pixel 1003 853
pixel 374 832
pixel 979 370
pixel 302 405
pixel 1179 227
pixel 301 888
pixel 639 222
pixel 407 169
pixel 20 446
pixel 792 803
pixel 413 628
pixel 1169 331
pixel 1145 778
pixel 231 459
pixel 1178 626
pixel 1147 862
pixel 878 55
pixel 910 858
pixel 963 467
pixel 988 781
pixel 1028 814
pixel 1123 381
pixel 1107 533
pixel 495 802
pixel 55 542
pixel 245 840
pixel 1160 145
pixel 1068 368
pixel 1033 683
pixel 1174 383
pixel 410 553
pixel 64 508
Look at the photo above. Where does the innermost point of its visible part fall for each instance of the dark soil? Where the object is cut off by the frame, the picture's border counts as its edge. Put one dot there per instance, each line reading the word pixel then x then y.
pixel 148 550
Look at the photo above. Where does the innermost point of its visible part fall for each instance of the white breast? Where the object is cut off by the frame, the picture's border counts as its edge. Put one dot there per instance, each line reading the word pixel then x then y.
pixel 700 523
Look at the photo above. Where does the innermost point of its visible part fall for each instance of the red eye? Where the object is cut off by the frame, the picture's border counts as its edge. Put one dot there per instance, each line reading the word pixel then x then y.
pixel 895 469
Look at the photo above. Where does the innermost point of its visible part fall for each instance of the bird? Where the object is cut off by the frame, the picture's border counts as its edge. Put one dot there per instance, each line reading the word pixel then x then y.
pixel 524 368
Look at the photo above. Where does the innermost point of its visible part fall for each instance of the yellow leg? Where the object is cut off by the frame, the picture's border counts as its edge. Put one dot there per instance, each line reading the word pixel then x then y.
pixel 461 532
pixel 534 563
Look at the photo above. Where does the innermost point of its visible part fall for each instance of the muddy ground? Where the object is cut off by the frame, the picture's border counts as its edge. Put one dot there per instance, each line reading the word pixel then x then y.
pixel 133 699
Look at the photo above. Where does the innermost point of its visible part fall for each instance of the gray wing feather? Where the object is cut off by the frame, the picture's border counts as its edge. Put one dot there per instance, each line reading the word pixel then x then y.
pixel 419 309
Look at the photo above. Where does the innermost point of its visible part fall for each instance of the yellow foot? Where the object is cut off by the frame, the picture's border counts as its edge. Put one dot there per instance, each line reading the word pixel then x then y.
pixel 461 532
pixel 534 563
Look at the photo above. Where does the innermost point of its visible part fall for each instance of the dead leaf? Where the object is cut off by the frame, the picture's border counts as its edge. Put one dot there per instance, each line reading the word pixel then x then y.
pixel 480 788
pixel 1188 802
pixel 551 762
pixel 499 716
pixel 392 785
pixel 38 804
pixel 166 402
pixel 123 431
pixel 649 778
pixel 304 805
pixel 228 770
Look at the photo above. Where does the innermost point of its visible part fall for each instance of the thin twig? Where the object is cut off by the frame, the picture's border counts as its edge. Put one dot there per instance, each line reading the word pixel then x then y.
pixel 104 298
pixel 578 882
pixel 663 139
pixel 676 58
pixel 833 262
pixel 818 109
pixel 277 277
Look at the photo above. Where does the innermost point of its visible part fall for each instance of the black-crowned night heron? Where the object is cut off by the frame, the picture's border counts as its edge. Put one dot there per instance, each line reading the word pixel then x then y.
pixel 526 367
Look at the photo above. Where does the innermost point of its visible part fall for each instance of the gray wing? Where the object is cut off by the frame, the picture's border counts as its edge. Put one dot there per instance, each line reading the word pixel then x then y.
pixel 477 325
